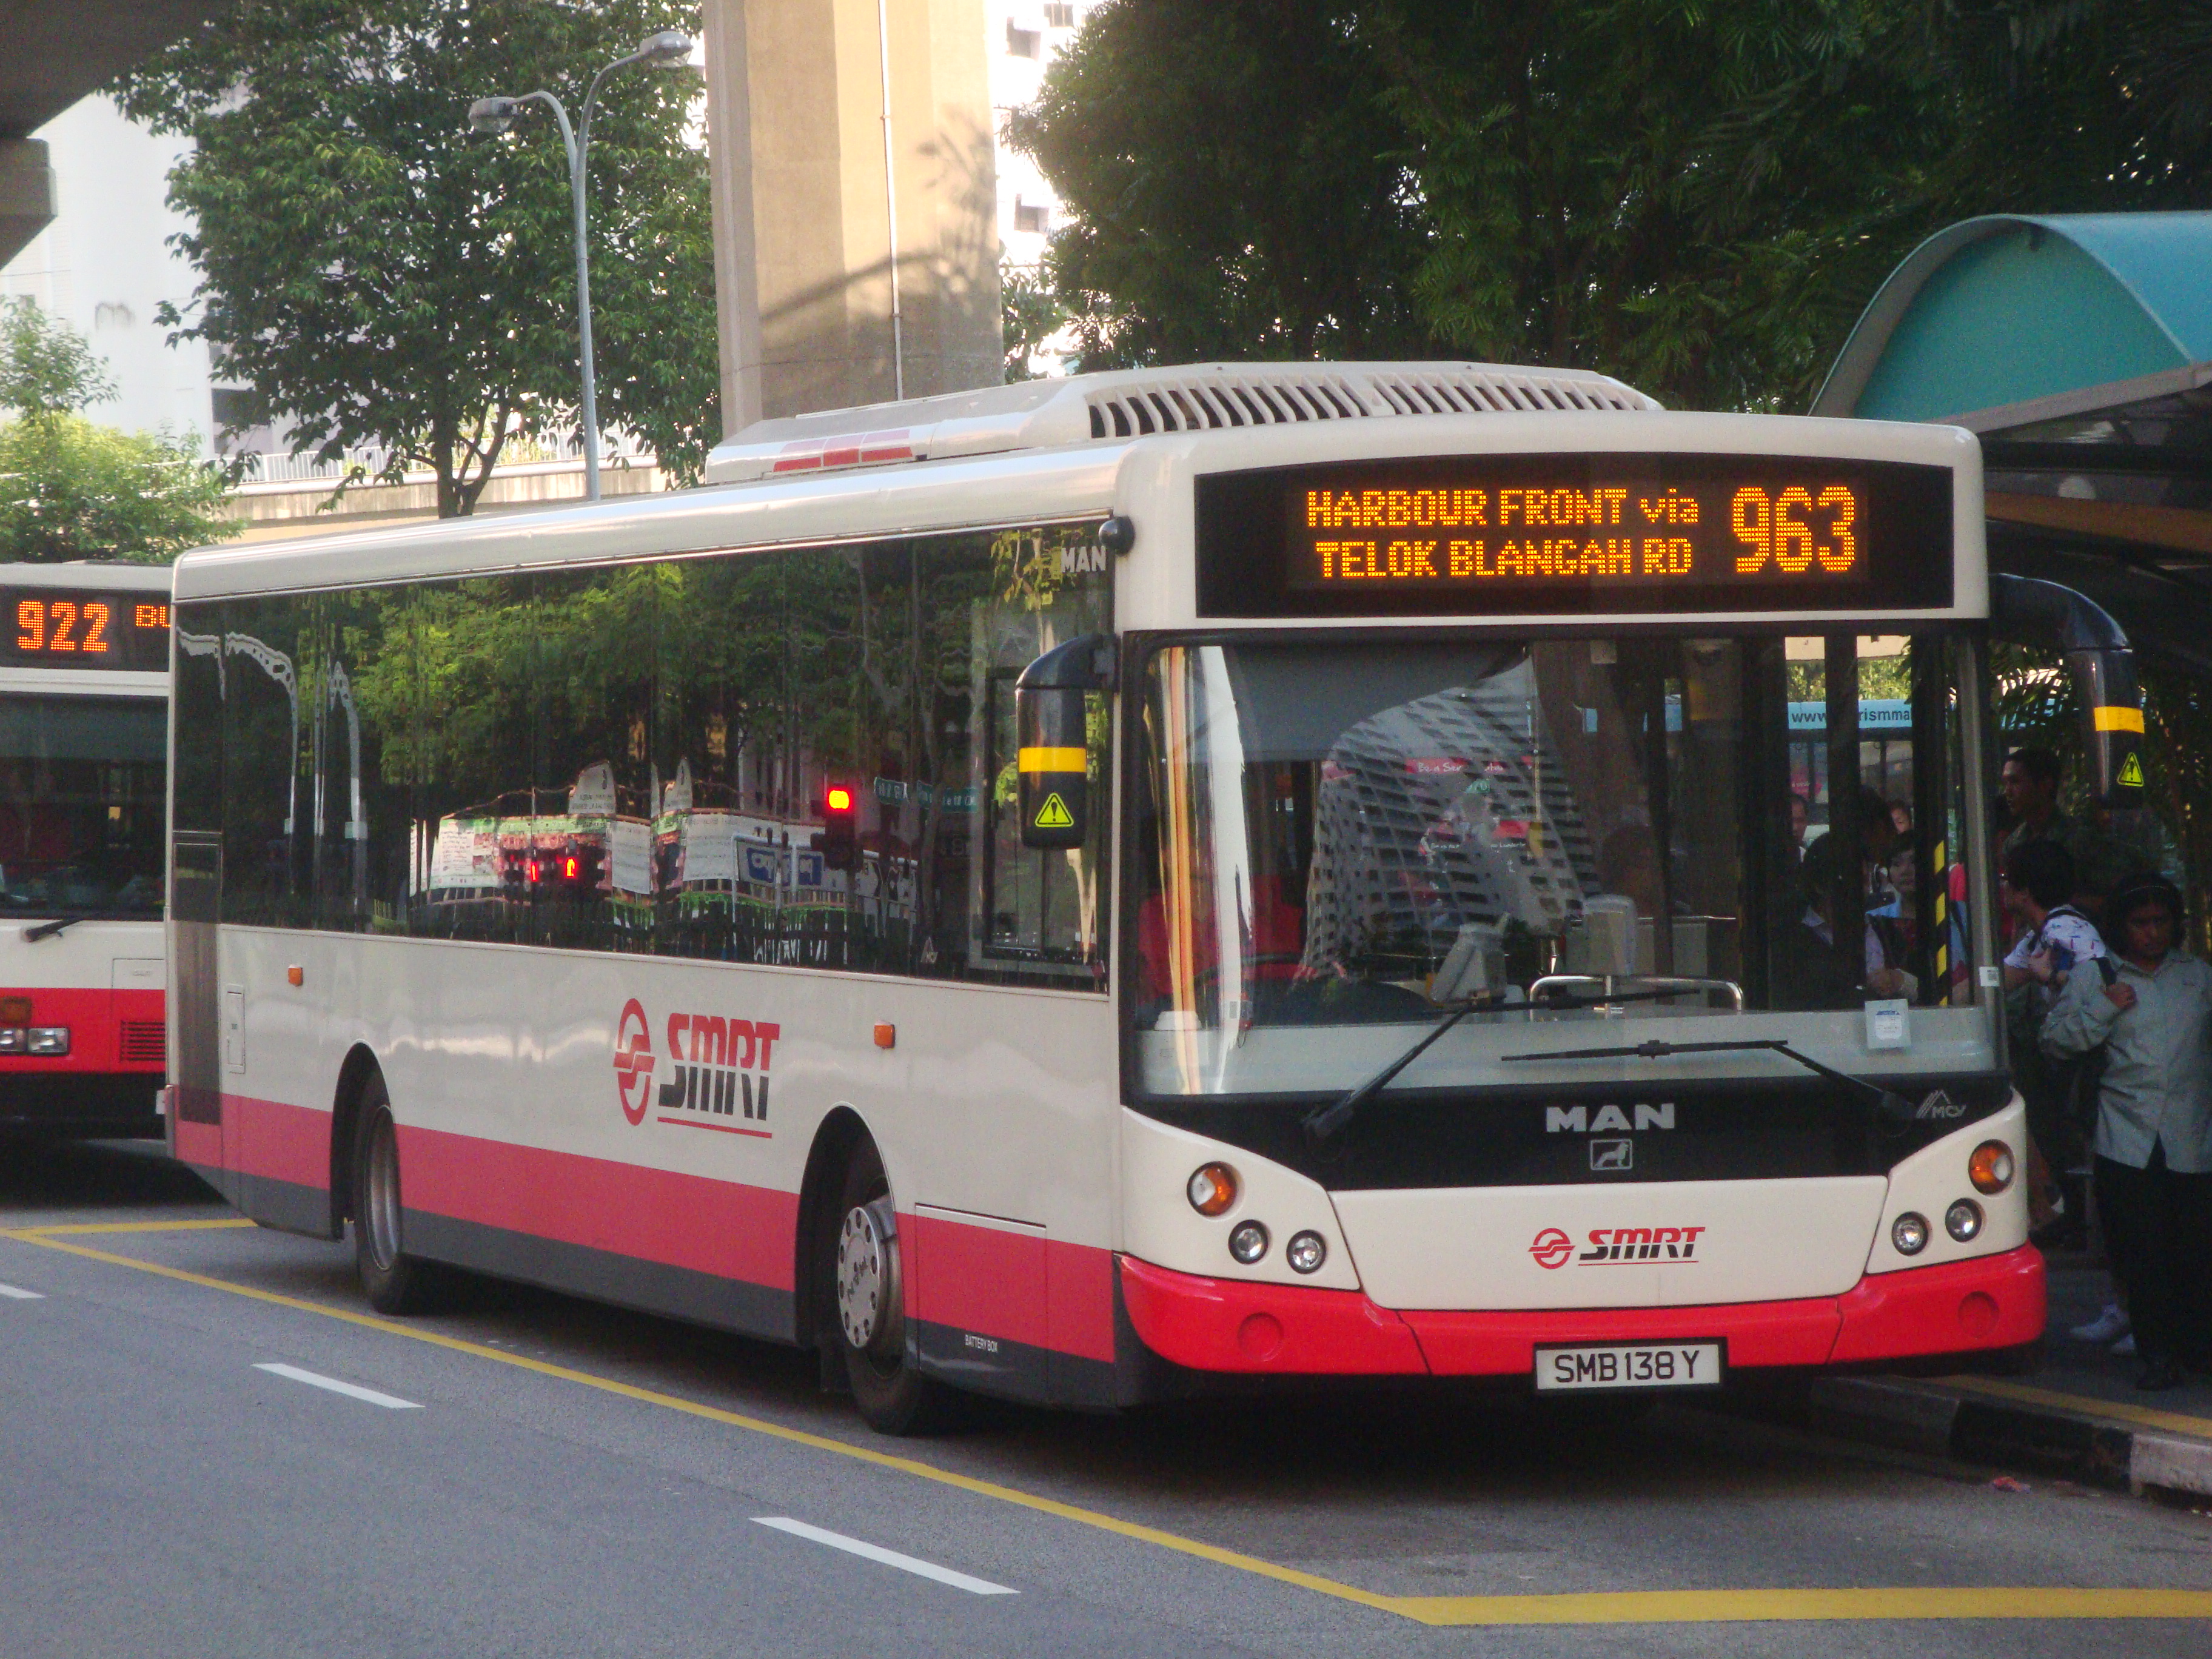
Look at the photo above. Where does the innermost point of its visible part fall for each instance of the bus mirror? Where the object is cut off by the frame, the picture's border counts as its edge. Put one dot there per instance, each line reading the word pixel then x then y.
pixel 1052 739
pixel 2102 670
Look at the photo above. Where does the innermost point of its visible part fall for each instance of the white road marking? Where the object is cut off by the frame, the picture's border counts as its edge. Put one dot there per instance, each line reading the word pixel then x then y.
pixel 837 1541
pixel 351 1390
pixel 15 1295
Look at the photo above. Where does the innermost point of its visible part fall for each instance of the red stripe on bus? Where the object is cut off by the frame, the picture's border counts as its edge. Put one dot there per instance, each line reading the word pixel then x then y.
pixel 1081 1278
pixel 989 1281
pixel 199 1144
pixel 719 1227
pixel 281 1141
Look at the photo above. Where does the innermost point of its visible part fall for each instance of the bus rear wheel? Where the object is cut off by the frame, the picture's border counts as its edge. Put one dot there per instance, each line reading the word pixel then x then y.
pixel 866 1301
pixel 396 1282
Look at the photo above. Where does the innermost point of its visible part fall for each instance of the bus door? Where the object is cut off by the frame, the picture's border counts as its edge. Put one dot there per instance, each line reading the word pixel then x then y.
pixel 205 1133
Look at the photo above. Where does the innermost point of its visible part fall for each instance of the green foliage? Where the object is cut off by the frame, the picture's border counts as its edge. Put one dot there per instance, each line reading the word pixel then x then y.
pixel 1030 313
pixel 1237 183
pixel 70 490
pixel 46 368
pixel 383 276
pixel 1696 195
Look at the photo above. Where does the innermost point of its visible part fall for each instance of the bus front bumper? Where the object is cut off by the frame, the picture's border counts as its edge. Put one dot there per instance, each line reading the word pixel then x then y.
pixel 1987 1303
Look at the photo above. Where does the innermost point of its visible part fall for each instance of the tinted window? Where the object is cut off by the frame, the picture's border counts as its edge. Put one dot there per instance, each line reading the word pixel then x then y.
pixel 634 758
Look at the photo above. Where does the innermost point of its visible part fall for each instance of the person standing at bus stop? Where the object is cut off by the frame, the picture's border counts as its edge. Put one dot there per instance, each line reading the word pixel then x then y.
pixel 2154 1138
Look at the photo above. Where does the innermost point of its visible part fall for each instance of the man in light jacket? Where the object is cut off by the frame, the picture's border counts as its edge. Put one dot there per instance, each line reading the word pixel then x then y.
pixel 2154 1145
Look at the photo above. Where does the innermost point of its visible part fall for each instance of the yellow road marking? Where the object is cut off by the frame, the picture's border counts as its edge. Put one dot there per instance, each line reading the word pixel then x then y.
pixel 1748 1606
pixel 1606 1606
pixel 34 1234
pixel 2085 1404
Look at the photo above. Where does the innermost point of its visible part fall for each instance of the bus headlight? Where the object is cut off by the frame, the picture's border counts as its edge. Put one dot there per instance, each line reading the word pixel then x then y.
pixel 15 1039
pixel 1212 1188
pixel 49 1040
pixel 1909 1232
pixel 1963 1220
pixel 1247 1243
pixel 1306 1252
pixel 1990 1168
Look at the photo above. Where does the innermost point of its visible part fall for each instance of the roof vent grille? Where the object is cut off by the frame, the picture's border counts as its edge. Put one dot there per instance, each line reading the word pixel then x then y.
pixel 1141 402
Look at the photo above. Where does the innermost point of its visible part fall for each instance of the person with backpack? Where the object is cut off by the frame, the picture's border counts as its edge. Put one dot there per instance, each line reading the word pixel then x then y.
pixel 2149 1007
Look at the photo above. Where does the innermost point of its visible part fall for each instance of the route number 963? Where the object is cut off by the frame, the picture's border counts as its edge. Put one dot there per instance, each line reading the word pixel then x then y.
pixel 1795 530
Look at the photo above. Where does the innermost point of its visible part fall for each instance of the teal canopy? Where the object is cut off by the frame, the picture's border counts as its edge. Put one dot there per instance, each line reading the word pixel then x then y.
pixel 2014 309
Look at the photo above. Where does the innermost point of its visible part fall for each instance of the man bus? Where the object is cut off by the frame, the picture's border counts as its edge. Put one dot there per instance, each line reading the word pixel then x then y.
pixel 84 685
pixel 1078 890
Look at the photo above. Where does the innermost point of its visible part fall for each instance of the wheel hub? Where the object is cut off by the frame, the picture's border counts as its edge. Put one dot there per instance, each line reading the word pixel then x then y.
pixel 868 1279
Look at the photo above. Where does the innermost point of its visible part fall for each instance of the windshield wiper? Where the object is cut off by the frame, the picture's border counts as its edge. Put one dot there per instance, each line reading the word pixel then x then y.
pixel 1894 1110
pixel 48 929
pixel 1325 1123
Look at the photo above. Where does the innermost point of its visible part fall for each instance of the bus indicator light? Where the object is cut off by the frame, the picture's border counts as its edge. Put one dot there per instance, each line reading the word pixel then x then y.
pixel 1212 1188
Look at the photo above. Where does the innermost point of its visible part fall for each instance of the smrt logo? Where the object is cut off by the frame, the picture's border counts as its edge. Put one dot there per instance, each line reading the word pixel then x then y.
pixel 634 1060
pixel 1551 1248
pixel 719 1069
pixel 1613 1246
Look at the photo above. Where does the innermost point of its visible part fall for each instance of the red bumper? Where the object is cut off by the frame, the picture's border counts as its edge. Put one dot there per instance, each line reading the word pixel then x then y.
pixel 1225 1325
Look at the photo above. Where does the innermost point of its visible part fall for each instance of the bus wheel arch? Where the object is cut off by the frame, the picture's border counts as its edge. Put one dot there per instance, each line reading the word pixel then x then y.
pixel 360 1065
pixel 847 1212
pixel 814 1324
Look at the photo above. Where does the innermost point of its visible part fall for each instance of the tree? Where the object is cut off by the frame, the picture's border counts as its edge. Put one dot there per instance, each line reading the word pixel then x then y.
pixel 1237 185
pixel 381 276
pixel 1697 197
pixel 72 489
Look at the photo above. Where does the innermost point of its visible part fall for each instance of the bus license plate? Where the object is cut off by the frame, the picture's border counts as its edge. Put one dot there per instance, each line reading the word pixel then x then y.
pixel 1629 1365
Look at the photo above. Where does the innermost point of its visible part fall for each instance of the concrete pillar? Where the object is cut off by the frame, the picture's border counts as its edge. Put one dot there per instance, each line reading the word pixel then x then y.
pixel 26 195
pixel 802 223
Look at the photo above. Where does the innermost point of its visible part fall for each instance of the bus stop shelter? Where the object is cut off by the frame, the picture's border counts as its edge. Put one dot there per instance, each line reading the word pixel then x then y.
pixel 2078 349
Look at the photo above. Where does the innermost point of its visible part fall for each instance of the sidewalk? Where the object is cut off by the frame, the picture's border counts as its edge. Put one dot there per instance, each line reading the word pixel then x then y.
pixel 2078 1415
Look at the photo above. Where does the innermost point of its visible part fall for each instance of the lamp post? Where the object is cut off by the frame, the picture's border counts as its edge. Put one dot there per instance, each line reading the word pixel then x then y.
pixel 666 50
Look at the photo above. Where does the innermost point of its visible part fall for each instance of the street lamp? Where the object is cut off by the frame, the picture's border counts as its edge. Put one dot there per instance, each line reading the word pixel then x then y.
pixel 669 49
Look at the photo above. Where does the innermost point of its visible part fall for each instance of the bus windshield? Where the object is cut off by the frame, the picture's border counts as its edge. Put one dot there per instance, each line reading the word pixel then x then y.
pixel 1627 837
pixel 81 797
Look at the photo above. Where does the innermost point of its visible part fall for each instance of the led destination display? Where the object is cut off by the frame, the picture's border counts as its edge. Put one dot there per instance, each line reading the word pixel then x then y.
pixel 1526 535
pixel 64 628
pixel 1807 532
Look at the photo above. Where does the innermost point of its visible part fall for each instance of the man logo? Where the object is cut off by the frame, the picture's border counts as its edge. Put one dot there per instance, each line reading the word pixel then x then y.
pixel 634 1061
pixel 1577 1120
pixel 1613 1155
pixel 1551 1248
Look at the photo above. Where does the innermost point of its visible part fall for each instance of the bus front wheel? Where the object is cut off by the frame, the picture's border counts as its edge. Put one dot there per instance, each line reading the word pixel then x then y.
pixel 867 1304
pixel 397 1283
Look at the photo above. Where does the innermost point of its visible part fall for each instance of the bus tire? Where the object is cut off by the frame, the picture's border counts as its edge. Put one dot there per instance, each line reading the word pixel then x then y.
pixel 866 1297
pixel 396 1282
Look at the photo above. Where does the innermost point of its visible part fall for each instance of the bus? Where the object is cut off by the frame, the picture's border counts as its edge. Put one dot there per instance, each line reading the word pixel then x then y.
pixel 1109 888
pixel 84 690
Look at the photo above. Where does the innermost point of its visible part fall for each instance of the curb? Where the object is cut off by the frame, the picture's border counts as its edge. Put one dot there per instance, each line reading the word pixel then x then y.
pixel 1977 1427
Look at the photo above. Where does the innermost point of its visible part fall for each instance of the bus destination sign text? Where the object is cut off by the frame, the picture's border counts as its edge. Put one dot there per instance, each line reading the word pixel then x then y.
pixel 1702 533
pixel 76 628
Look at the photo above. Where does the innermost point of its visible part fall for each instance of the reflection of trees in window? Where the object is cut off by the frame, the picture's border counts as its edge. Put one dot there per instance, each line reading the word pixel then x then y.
pixel 702 702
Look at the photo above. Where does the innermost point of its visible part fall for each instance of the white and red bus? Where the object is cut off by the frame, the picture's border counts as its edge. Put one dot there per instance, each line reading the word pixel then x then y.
pixel 84 693
pixel 1081 889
